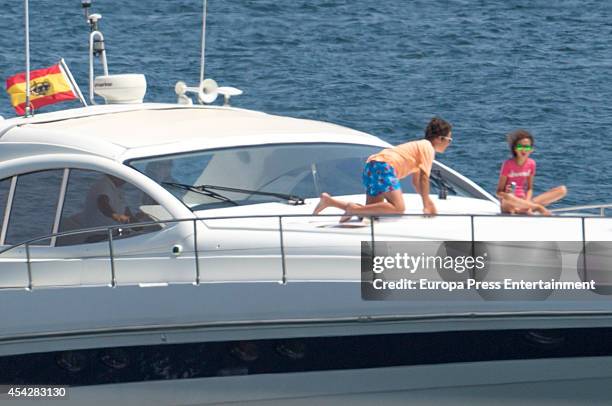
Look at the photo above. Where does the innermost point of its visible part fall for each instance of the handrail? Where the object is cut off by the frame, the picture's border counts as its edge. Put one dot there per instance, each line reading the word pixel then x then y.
pixel 90 230
pixel 192 219
pixel 197 280
pixel 601 207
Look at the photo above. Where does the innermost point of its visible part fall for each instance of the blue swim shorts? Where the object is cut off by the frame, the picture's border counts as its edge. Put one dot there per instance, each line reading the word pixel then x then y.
pixel 379 177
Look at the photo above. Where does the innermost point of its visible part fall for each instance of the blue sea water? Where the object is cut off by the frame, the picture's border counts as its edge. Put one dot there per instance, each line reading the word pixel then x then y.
pixel 382 67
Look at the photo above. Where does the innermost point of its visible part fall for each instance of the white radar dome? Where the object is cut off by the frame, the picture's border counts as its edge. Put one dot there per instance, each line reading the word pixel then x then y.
pixel 121 89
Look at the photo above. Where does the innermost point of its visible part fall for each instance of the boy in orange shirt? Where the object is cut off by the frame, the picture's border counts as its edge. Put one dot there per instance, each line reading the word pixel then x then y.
pixel 383 171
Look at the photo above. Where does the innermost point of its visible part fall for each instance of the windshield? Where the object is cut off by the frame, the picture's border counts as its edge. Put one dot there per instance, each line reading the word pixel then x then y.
pixel 303 170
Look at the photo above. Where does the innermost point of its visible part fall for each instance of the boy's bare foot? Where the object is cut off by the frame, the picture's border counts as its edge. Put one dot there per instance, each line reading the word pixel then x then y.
pixel 347 213
pixel 345 218
pixel 323 203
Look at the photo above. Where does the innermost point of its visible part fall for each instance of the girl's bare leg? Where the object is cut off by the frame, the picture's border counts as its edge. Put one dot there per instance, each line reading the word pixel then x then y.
pixel 551 196
pixel 512 204
pixel 506 207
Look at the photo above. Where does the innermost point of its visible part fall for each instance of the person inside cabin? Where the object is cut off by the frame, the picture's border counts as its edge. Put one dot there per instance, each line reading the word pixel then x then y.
pixel 106 204
pixel 516 178
pixel 384 169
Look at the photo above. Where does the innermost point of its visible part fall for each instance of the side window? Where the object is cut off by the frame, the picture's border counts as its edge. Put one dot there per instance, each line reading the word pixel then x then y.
pixel 94 199
pixel 5 187
pixel 34 206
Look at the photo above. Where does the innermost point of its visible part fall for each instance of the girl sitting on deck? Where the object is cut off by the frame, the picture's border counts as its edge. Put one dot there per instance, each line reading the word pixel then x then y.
pixel 515 186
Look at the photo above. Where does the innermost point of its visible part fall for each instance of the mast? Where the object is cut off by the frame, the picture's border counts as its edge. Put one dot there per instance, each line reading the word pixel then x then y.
pixel 28 110
pixel 203 41
pixel 96 46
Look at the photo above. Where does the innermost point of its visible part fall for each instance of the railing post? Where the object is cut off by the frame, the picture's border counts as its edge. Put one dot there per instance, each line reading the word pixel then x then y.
pixel 195 251
pixel 372 243
pixel 282 249
pixel 29 265
pixel 584 253
pixel 112 258
pixel 472 227
pixel 602 211
pixel 472 247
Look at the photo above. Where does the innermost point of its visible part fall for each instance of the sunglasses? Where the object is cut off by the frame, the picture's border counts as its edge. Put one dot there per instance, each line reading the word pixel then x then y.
pixel 521 147
pixel 449 139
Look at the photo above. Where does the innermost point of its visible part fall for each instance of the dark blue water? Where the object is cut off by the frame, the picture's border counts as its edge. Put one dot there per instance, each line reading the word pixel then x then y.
pixel 382 67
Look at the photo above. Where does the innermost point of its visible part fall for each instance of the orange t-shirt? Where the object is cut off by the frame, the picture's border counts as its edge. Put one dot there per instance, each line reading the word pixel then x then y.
pixel 408 158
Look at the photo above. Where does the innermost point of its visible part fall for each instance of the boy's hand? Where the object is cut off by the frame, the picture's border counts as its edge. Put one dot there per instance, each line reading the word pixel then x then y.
pixel 120 218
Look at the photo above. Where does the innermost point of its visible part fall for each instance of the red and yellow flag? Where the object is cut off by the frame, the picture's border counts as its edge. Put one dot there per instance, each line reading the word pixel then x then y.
pixel 47 86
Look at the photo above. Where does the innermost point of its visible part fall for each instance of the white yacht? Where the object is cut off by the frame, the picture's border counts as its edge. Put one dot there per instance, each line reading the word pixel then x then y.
pixel 215 283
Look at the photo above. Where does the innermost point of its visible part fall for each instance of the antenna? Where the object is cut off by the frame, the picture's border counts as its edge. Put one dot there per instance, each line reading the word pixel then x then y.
pixel 28 109
pixel 96 46
pixel 203 41
pixel 86 4
pixel 207 89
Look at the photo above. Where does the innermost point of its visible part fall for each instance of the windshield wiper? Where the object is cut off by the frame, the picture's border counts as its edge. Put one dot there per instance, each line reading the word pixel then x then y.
pixel 291 199
pixel 201 191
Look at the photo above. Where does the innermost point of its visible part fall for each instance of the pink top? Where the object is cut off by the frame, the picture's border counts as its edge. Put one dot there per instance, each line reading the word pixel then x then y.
pixel 518 174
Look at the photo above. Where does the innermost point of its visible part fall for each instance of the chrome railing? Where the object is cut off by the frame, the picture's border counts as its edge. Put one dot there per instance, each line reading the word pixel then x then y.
pixel 601 207
pixel 118 230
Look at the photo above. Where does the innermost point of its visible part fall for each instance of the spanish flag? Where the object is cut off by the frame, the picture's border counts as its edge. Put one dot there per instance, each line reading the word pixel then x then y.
pixel 47 86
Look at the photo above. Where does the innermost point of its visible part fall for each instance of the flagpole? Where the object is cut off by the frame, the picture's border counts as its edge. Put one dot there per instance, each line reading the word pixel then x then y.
pixel 73 83
pixel 28 110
